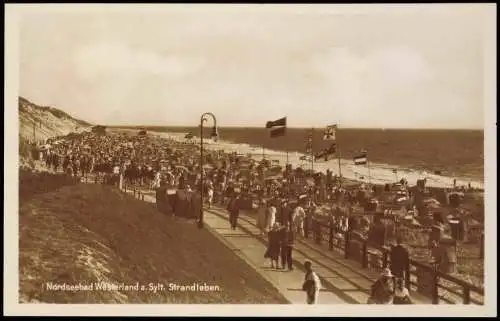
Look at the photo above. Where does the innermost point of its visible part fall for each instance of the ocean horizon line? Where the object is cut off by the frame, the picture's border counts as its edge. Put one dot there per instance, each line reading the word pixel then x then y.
pixel 293 127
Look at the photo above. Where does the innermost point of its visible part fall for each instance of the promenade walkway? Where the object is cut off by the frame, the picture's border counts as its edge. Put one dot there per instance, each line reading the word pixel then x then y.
pixel 345 278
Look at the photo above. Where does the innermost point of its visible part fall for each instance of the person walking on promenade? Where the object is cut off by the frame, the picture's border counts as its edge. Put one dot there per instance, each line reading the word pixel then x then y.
pixel 287 239
pixel 400 259
pixel 234 210
pixel 210 193
pixel 382 291
pixel 285 213
pixel 298 217
pixel 261 217
pixel 401 294
pixel 311 285
pixel 270 216
pixel 273 245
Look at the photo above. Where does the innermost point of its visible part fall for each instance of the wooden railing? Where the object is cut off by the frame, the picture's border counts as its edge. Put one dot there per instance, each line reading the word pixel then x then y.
pixel 423 278
pixel 109 179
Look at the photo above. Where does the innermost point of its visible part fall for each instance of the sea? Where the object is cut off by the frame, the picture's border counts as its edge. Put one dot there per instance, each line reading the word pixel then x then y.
pixel 441 156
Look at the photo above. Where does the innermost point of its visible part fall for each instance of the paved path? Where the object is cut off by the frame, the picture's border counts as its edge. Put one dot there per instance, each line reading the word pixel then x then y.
pixel 344 277
pixel 244 242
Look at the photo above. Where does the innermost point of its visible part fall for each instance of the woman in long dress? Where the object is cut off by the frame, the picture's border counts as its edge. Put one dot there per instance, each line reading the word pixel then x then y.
pixel 262 219
pixel 401 294
pixel 271 217
pixel 273 247
pixel 299 215
pixel 382 291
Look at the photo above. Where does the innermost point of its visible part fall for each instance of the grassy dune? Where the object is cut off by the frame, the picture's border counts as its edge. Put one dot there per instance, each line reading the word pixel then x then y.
pixel 94 233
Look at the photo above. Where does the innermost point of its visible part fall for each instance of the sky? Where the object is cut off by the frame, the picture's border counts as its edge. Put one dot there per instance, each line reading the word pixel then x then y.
pixel 363 66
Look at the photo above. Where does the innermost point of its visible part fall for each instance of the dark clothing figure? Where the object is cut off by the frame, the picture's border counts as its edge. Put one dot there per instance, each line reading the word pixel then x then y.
pixel 182 201
pixel 273 247
pixel 195 206
pixel 286 215
pixel 400 261
pixel 381 292
pixel 163 201
pixel 286 238
pixel 234 210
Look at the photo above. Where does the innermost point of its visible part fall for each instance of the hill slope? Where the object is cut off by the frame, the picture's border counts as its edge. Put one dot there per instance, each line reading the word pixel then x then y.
pixel 94 233
pixel 49 121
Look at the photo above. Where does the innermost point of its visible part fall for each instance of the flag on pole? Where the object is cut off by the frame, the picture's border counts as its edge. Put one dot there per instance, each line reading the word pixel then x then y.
pixel 309 143
pixel 361 159
pixel 329 133
pixel 277 128
pixel 327 152
pixel 305 158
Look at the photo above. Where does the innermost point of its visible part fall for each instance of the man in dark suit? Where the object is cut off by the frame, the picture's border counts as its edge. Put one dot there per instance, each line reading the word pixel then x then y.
pixel 400 259
pixel 234 209
pixel 285 213
pixel 287 239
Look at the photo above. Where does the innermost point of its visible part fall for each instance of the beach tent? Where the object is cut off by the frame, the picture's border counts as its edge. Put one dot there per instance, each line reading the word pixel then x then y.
pixel 44 147
pixel 273 178
pixel 428 201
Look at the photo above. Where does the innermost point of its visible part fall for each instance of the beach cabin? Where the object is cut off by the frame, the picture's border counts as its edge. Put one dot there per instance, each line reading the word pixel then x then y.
pixel 100 130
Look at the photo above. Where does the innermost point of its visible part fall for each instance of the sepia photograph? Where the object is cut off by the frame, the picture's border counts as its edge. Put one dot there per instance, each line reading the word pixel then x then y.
pixel 250 160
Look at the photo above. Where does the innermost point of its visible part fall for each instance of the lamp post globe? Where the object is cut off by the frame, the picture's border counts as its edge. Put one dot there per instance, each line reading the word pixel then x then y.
pixel 214 135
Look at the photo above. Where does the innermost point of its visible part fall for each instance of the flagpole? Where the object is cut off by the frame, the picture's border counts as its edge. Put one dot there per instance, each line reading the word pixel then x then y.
pixel 312 150
pixel 369 174
pixel 338 155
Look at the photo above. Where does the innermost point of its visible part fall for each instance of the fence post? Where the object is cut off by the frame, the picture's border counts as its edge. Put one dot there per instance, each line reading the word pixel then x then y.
pixel 365 254
pixel 330 235
pixel 317 232
pixel 407 277
pixel 466 295
pixel 385 257
pixel 346 244
pixel 435 292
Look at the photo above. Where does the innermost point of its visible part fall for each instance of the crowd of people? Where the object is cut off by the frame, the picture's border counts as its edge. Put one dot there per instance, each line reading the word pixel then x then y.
pixel 284 198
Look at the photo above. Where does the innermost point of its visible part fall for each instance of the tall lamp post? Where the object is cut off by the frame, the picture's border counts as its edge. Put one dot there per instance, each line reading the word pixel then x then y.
pixel 213 135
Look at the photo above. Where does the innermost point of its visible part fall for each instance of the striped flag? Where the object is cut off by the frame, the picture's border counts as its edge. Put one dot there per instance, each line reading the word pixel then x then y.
pixel 277 128
pixel 329 133
pixel 361 159
pixel 305 158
